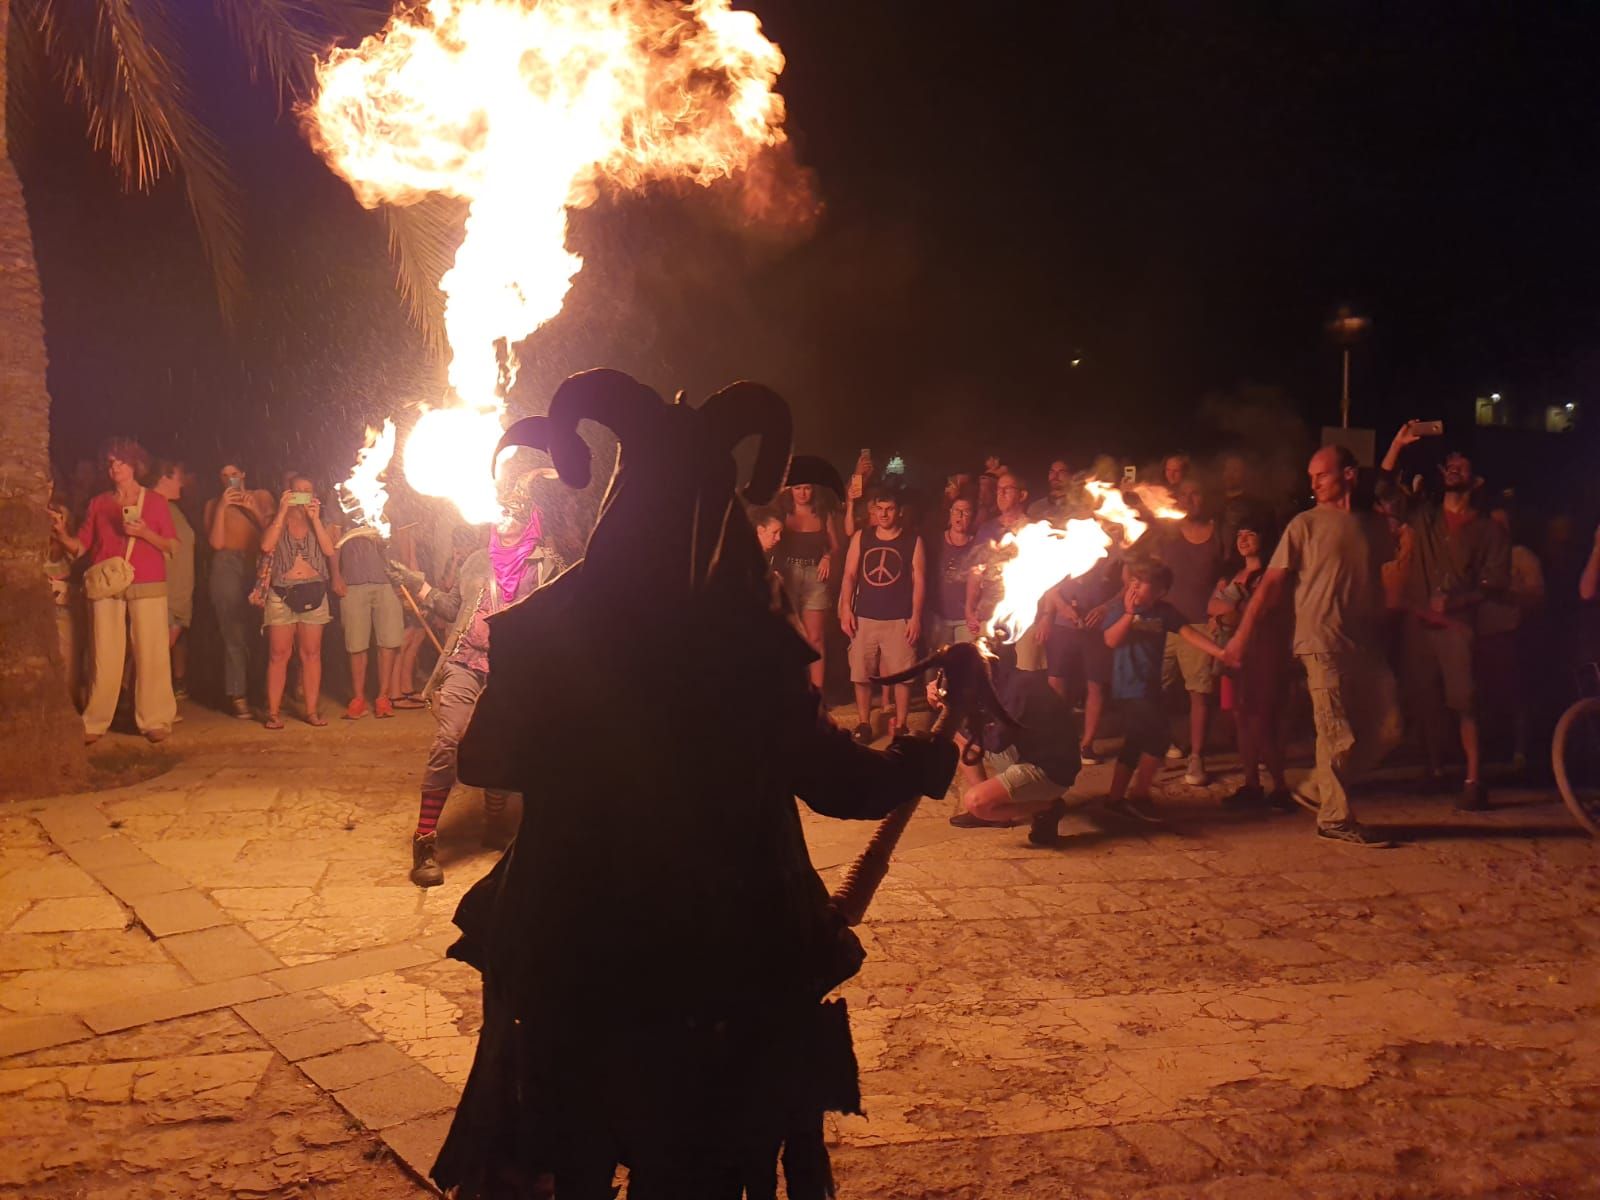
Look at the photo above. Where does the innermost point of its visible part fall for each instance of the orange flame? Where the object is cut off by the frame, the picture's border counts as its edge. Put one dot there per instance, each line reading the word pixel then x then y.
pixel 524 108
pixel 1040 555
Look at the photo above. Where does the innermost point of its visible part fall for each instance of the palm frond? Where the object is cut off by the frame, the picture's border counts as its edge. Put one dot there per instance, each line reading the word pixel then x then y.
pixel 119 61
pixel 282 39
pixel 423 239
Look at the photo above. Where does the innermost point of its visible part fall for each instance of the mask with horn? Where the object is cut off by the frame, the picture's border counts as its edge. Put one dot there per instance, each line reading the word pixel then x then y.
pixel 670 526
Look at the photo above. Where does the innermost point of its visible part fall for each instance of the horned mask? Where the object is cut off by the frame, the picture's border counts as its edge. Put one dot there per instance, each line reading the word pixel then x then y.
pixel 670 525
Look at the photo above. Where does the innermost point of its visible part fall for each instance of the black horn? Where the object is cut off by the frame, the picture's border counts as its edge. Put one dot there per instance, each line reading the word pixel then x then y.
pixel 611 398
pixel 743 409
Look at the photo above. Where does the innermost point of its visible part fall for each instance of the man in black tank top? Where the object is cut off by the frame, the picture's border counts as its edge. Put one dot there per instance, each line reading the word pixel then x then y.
pixel 880 607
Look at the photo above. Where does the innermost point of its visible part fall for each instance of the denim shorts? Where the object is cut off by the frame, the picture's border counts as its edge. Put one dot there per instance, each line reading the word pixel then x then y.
pixel 279 613
pixel 1024 782
pixel 808 593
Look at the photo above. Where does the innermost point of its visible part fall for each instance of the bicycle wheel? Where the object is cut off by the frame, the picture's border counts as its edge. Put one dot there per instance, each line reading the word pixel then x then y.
pixel 1575 757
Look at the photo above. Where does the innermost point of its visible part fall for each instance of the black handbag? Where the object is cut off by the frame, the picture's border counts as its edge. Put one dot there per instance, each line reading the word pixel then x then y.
pixel 303 597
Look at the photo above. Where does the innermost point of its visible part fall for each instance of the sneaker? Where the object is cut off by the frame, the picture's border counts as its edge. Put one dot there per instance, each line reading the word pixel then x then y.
pixel 863 734
pixel 1249 796
pixel 356 709
pixel 1474 798
pixel 1196 775
pixel 425 869
pixel 1174 754
pixel 1137 808
pixel 1088 757
pixel 966 820
pixel 383 707
pixel 1352 834
pixel 1043 829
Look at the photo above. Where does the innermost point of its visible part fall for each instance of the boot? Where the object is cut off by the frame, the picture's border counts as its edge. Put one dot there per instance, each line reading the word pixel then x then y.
pixel 499 827
pixel 425 869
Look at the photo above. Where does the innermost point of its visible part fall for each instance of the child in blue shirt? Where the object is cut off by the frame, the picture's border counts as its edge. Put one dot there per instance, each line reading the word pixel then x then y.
pixel 1136 628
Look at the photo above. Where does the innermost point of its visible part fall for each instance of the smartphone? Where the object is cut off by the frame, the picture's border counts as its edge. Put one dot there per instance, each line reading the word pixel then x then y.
pixel 1130 476
pixel 1427 428
pixel 130 512
pixel 897 466
pixel 299 497
pixel 236 483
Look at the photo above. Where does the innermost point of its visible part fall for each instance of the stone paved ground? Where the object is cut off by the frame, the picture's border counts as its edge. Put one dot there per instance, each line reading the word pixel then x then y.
pixel 219 982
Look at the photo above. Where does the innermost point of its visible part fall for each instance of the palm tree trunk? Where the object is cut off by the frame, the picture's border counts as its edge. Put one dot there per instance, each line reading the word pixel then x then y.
pixel 43 737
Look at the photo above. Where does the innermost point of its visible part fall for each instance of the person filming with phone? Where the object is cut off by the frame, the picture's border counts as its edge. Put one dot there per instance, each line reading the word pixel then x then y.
pixel 127 533
pixel 1460 558
pixel 234 523
pixel 297 597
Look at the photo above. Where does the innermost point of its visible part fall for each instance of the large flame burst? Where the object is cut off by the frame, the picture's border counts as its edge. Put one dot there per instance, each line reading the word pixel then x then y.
pixel 524 108
pixel 1040 555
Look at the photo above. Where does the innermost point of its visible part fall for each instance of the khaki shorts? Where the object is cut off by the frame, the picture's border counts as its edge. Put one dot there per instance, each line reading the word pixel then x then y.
pixel 367 607
pixel 1442 654
pixel 879 648
pixel 1194 666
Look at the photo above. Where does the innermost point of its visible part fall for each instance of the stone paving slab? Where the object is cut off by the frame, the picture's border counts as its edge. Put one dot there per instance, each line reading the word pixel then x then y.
pixel 1222 1008
pixel 166 913
pixel 164 1006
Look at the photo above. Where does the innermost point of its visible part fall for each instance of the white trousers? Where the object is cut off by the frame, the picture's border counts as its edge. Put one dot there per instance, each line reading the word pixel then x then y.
pixel 110 622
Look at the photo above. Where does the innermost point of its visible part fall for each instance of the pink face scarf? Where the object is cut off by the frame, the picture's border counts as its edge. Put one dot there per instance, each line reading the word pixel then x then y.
pixel 508 561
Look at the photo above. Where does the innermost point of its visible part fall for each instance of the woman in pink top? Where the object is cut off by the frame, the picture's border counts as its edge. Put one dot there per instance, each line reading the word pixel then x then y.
pixel 128 521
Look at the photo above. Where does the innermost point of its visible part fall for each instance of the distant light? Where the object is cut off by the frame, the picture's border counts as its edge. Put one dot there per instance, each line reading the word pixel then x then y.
pixel 1570 407
pixel 1495 396
pixel 1075 362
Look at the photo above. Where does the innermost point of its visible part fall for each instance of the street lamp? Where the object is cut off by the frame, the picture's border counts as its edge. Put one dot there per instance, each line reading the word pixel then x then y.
pixel 1346 328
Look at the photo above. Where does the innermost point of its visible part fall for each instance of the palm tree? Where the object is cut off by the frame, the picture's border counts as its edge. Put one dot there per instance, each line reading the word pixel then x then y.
pixel 121 63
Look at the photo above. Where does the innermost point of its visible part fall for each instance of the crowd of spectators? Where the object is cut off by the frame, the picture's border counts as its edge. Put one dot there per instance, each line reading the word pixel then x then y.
pixel 1395 607
pixel 1436 600
pixel 270 574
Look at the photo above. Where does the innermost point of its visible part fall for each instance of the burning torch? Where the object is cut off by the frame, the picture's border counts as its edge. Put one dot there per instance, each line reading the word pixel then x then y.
pixel 967 690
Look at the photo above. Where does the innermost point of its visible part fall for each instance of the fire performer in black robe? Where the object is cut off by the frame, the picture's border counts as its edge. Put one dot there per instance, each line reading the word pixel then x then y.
pixel 656 946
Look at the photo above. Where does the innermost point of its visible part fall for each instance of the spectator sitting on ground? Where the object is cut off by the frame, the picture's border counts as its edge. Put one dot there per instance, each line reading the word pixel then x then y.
pixel 1329 559
pixel 807 548
pixel 1138 625
pixel 1460 558
pixel 297 597
pixel 369 608
pixel 132 523
pixel 171 478
pixel 880 608
pixel 1193 550
pixel 234 523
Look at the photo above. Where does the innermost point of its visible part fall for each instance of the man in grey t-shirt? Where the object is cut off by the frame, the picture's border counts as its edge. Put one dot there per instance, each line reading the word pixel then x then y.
pixel 1332 556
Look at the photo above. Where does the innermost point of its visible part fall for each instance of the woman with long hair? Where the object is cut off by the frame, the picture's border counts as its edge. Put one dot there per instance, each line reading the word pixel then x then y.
pixel 300 547
pixel 1255 695
pixel 805 555
pixel 126 522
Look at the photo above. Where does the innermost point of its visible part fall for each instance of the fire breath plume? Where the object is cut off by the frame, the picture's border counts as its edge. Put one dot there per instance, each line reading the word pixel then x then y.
pixel 525 109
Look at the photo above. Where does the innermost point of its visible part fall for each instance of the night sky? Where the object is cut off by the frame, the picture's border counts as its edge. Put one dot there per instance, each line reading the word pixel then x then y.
pixel 1178 194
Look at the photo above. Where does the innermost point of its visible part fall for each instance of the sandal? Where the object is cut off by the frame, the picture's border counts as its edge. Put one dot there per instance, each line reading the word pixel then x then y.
pixel 273 721
pixel 409 700
pixel 317 720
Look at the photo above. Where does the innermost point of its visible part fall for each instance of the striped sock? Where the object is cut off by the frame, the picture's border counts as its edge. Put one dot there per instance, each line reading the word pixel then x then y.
pixel 494 803
pixel 432 805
